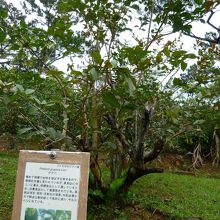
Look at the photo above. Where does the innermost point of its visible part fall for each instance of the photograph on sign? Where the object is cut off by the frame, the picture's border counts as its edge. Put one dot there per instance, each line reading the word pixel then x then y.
pixel 50 190
pixel 42 214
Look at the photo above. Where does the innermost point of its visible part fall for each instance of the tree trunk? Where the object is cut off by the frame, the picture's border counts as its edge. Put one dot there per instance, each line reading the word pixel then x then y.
pixel 134 174
pixel 95 142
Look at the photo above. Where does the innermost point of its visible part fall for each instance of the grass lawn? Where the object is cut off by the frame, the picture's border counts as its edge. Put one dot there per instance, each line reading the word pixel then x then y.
pixel 168 195
pixel 8 166
pixel 180 196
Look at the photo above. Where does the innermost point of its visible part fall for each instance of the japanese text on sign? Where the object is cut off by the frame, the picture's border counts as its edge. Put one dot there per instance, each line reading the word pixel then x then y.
pixel 51 186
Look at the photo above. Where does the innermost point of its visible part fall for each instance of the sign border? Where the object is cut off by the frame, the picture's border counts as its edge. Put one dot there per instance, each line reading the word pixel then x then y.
pixel 62 157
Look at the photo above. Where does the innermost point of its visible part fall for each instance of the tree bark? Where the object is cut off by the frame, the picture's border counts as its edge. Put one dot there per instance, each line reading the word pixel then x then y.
pixel 134 174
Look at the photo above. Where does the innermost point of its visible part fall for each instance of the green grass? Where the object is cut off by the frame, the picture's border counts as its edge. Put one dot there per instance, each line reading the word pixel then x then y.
pixel 8 166
pixel 176 196
pixel 180 196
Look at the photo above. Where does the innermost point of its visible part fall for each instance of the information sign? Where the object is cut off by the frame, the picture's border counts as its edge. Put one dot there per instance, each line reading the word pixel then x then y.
pixel 51 185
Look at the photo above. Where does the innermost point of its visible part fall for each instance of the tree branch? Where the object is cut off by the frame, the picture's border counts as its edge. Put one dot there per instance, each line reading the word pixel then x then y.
pixel 134 174
pixel 158 147
pixel 143 125
pixel 158 30
pixel 116 130
pixel 214 41
pixel 212 25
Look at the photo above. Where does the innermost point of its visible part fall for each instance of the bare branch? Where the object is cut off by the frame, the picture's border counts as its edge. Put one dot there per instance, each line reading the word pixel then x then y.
pixel 208 21
pixel 214 41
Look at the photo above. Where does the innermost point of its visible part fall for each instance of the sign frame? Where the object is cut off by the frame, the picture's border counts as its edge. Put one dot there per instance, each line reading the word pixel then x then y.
pixel 54 157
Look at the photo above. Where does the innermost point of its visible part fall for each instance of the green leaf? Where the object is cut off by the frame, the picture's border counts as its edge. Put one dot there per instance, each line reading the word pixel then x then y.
pixel 52 133
pixel 135 7
pixel 76 73
pixel 3 13
pixel 23 24
pixel 190 55
pixel 29 91
pixel 159 57
pixel 96 56
pixel 114 63
pixel 2 36
pixel 177 23
pixel 199 122
pixel 14 47
pixel 183 65
pixel 24 130
pixel 131 85
pixel 178 53
pixel 97 193
pixel 94 74
pixel 54 72
pixel 177 82
pixel 198 2
pixel 108 64
pixel 187 28
pixel 17 88
pixel 110 99
pixel 166 51
pixel 43 102
pixel 115 185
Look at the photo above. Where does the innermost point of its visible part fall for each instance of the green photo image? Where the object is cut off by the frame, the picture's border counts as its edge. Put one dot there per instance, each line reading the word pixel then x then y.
pixel 46 214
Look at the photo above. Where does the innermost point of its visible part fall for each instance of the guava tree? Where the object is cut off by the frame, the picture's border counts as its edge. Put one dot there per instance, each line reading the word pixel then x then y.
pixel 118 54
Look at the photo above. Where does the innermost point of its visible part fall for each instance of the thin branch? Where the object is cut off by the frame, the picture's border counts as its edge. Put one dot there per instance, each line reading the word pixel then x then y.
pixel 208 21
pixel 158 30
pixel 150 23
pixel 215 41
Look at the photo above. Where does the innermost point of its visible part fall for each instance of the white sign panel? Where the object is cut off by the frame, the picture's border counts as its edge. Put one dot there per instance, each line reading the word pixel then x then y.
pixel 51 191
